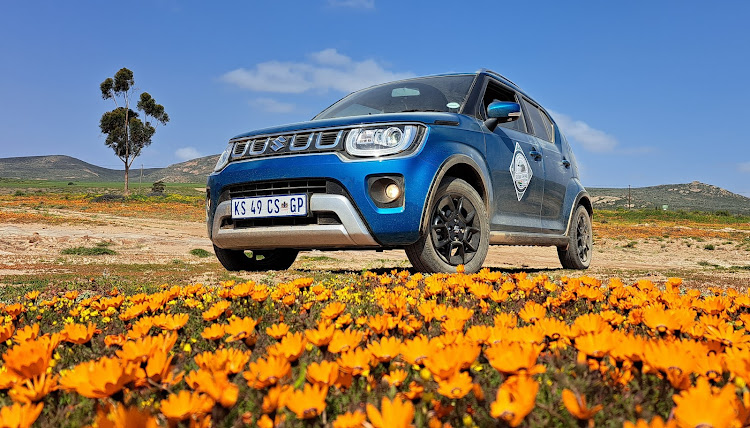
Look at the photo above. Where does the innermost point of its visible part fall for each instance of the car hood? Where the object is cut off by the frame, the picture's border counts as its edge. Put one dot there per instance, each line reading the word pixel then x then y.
pixel 427 118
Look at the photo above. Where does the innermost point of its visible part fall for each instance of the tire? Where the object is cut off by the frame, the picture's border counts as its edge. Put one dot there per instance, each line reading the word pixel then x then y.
pixel 237 260
pixel 456 231
pixel 577 255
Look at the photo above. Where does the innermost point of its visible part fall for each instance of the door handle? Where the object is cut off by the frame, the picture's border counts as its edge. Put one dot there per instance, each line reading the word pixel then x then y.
pixel 566 163
pixel 536 155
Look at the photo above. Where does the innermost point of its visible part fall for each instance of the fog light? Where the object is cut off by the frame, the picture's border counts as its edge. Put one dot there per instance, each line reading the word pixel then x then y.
pixel 386 191
pixel 392 192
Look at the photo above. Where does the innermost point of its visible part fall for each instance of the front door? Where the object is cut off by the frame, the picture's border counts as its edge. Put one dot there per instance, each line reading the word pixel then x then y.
pixel 517 168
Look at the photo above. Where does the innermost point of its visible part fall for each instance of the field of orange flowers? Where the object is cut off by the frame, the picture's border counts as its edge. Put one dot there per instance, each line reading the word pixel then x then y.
pixel 383 350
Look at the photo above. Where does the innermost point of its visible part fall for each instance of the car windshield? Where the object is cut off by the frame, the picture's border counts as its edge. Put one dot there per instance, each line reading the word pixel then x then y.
pixel 440 93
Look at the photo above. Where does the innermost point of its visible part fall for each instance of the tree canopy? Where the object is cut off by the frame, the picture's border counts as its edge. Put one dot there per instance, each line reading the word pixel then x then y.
pixel 126 133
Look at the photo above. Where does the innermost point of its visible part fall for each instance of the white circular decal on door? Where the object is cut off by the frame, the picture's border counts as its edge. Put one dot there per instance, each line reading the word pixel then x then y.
pixel 520 171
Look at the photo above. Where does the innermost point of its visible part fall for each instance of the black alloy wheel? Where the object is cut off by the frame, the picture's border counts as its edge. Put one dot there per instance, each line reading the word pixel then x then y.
pixel 454 235
pixel 455 232
pixel 580 249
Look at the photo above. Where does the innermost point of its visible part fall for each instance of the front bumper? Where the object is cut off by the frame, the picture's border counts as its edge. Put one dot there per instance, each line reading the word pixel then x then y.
pixel 352 231
pixel 362 223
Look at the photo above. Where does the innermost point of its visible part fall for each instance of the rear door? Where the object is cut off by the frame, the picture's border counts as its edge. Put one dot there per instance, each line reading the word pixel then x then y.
pixel 557 171
pixel 516 167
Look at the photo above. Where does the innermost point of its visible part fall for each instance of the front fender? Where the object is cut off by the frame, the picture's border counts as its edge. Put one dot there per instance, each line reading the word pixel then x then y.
pixel 468 164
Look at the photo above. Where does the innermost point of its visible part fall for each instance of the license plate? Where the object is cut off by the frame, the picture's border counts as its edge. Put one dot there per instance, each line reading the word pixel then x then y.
pixel 269 206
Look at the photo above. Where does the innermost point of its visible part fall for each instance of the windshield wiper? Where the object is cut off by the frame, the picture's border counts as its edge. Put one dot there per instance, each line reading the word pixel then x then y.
pixel 421 109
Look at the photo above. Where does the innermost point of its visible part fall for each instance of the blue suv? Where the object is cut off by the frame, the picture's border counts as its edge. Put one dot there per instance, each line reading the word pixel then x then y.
pixel 440 166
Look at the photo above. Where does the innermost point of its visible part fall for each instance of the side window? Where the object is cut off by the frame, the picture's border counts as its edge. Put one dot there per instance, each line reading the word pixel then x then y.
pixel 496 92
pixel 550 127
pixel 542 126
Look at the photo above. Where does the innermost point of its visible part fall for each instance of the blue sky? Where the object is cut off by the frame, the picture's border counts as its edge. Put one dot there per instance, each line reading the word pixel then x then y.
pixel 647 92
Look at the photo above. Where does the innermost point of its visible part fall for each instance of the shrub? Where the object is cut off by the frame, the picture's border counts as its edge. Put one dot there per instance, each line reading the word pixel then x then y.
pixel 89 251
pixel 200 252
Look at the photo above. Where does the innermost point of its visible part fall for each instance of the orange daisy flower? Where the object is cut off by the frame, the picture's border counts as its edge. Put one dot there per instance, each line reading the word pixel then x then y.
pixel 100 378
pixel 576 405
pixel 324 373
pixel 392 414
pixel 20 415
pixel 343 341
pixel 457 386
pixel 515 399
pixel 78 333
pixel 307 403
pixel 186 404
pixel 277 331
pixel 350 420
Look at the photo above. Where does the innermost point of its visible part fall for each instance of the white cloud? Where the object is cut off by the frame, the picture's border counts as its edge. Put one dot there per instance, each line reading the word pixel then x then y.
pixel 744 167
pixel 187 153
pixel 592 139
pixel 363 4
pixel 331 57
pixel 271 105
pixel 328 69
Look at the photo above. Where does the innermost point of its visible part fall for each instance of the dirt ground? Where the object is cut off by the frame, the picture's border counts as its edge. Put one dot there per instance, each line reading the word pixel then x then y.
pixel 30 249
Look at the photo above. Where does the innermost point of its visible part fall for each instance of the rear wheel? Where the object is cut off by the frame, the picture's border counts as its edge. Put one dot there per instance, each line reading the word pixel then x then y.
pixel 456 233
pixel 261 260
pixel 577 255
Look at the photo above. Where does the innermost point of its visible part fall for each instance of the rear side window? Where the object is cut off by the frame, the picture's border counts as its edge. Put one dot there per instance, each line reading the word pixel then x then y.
pixel 542 125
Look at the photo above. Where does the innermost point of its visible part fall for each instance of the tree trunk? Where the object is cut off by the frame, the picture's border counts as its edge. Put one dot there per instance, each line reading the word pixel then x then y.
pixel 127 170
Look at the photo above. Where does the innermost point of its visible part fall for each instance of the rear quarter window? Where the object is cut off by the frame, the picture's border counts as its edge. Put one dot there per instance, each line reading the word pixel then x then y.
pixel 541 124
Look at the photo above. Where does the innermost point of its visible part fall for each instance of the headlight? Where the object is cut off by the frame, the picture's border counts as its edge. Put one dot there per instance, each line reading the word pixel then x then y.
pixel 224 158
pixel 380 141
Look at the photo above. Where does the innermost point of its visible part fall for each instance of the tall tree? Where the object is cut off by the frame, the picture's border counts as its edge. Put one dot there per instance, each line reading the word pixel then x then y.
pixel 126 134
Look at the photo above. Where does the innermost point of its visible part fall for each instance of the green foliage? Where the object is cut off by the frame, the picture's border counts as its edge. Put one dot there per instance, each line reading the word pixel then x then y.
pixel 158 187
pixel 200 252
pixel 709 247
pixel 644 216
pixel 98 250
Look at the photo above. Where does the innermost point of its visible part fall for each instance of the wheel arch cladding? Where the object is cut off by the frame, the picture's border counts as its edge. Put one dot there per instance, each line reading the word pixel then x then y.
pixel 465 168
pixel 586 202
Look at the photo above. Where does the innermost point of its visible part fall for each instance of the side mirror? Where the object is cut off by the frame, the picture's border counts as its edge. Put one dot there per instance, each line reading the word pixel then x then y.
pixel 502 112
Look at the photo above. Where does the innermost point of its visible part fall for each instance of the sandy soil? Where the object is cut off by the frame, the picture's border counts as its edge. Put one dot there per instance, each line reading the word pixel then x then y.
pixel 33 248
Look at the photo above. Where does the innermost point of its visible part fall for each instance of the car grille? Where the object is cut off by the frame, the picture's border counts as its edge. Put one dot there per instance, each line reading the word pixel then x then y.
pixel 275 188
pixel 287 144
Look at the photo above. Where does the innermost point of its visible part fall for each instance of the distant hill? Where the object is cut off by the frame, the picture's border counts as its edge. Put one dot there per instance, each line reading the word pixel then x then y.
pixel 693 196
pixel 58 168
pixel 192 171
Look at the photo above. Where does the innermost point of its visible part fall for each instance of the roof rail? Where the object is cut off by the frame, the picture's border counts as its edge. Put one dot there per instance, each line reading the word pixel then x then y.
pixel 488 71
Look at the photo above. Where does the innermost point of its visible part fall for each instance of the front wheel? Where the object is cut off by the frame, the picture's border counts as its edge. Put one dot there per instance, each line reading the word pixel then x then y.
pixel 237 260
pixel 577 255
pixel 456 232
